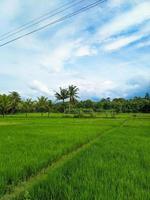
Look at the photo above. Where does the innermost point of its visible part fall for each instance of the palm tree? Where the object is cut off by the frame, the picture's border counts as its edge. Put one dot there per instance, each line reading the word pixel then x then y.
pixel 63 94
pixel 27 106
pixel 73 95
pixel 43 104
pixel 15 100
pixel 49 106
pixel 5 104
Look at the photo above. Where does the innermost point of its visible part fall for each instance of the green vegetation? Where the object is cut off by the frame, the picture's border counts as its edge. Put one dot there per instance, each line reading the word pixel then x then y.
pixel 68 103
pixel 26 146
pixel 116 166
pixel 69 158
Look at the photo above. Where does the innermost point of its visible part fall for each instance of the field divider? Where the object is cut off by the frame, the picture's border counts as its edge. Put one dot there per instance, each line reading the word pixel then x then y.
pixel 25 185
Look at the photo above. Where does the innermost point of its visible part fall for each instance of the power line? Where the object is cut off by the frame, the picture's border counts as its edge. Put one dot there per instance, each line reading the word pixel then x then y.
pixel 40 19
pixel 81 10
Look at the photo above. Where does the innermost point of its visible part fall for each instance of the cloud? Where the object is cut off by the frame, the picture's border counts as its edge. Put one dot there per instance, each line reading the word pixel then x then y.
pixel 9 9
pixel 122 22
pixel 55 59
pixel 98 88
pixel 116 2
pixel 40 87
pixel 85 51
pixel 63 53
pixel 52 57
pixel 137 86
pixel 143 44
pixel 121 42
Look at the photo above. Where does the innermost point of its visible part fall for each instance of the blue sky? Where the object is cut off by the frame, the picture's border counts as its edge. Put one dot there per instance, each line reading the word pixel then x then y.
pixel 105 51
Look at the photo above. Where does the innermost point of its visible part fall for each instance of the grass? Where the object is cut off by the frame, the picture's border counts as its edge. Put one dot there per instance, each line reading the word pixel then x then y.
pixel 115 165
pixel 28 145
pixel 60 115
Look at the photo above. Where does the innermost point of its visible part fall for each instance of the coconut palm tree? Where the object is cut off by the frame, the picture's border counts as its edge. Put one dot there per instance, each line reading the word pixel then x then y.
pixel 73 95
pixel 62 95
pixel 15 100
pixel 5 104
pixel 49 106
pixel 27 106
pixel 42 104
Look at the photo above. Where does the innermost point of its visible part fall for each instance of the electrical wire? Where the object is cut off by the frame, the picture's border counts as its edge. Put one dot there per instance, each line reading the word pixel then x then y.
pixel 39 20
pixel 81 10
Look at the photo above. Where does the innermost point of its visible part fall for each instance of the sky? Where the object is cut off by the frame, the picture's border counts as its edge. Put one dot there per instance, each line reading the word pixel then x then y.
pixel 104 51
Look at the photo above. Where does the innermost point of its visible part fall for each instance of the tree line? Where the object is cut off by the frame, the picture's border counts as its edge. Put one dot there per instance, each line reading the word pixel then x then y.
pixel 68 101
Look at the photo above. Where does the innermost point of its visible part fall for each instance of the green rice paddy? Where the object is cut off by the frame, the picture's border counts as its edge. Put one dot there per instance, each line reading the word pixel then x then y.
pixel 61 158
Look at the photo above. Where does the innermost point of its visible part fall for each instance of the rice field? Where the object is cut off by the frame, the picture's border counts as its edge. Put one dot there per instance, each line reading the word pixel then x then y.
pixel 69 158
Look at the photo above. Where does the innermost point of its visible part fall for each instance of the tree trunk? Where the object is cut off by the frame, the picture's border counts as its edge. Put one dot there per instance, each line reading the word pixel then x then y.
pixel 64 105
pixel 69 105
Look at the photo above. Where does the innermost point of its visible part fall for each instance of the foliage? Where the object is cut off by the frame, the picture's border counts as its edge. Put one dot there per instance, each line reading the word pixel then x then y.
pixel 43 105
pixel 63 94
pixel 67 102
pixel 114 167
pixel 15 99
pixel 30 145
pixel 5 104
pixel 73 95
pixel 104 158
pixel 27 106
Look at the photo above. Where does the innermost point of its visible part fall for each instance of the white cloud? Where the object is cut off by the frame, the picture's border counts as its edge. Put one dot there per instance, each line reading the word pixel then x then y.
pixel 53 56
pixel 55 60
pixel 136 16
pixel 97 88
pixel 114 44
pixel 85 51
pixel 40 87
pixel 113 89
pixel 116 3
pixel 9 9
pixel 122 42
